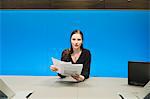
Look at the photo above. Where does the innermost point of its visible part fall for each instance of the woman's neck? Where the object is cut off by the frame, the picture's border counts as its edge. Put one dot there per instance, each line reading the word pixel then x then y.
pixel 76 50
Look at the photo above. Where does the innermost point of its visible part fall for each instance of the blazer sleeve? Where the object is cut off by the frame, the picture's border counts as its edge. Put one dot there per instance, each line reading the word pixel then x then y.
pixel 86 65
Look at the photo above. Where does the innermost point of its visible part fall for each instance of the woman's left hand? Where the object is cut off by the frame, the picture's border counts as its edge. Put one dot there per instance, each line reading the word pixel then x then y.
pixel 78 77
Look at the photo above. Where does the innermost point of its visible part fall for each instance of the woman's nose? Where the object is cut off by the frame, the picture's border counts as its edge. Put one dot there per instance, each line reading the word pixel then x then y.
pixel 76 42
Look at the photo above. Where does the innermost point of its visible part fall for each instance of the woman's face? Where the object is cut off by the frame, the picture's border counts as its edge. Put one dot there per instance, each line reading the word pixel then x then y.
pixel 76 41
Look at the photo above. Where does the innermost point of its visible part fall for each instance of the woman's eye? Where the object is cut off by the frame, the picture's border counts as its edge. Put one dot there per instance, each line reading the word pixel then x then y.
pixel 73 39
pixel 79 39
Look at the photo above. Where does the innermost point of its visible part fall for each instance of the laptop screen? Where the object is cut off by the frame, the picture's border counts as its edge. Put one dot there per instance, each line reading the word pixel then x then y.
pixel 138 73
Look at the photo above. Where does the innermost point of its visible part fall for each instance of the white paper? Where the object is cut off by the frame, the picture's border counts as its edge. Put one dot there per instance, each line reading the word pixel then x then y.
pixel 57 62
pixel 67 68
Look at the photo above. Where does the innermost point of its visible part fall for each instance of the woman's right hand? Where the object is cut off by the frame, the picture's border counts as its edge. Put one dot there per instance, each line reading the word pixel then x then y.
pixel 53 68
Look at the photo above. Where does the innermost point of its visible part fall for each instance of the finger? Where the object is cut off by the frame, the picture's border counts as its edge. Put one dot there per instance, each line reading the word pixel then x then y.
pixel 73 76
pixel 77 75
pixel 56 69
pixel 52 68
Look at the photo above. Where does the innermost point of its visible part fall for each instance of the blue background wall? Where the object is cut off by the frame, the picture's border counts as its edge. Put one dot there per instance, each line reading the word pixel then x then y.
pixel 29 38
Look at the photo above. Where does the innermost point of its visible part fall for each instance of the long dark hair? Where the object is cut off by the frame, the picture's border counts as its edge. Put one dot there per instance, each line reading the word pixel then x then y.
pixel 74 32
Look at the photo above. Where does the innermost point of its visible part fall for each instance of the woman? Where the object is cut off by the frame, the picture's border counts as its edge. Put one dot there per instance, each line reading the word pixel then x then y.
pixel 77 55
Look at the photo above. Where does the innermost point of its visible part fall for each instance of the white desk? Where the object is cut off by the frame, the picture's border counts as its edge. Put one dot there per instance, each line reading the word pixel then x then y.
pixel 47 87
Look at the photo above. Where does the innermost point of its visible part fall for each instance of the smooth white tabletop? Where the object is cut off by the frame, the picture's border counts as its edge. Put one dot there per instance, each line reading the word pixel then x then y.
pixel 49 87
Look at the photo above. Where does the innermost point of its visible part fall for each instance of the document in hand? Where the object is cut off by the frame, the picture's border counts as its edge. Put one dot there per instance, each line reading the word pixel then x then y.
pixel 67 68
